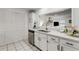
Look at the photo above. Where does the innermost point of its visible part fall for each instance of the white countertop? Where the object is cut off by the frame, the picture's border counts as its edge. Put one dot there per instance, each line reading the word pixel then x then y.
pixel 33 29
pixel 63 35
pixel 58 34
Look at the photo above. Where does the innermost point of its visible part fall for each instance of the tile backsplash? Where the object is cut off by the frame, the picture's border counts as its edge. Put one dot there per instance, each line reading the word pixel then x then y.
pixel 62 17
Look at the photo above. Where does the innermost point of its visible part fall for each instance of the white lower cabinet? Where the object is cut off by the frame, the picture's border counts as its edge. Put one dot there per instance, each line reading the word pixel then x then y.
pixel 67 48
pixel 53 44
pixel 46 43
pixel 67 45
pixel 37 40
pixel 41 41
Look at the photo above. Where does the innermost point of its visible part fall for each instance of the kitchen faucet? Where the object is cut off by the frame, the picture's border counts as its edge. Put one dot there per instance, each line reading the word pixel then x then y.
pixel 49 21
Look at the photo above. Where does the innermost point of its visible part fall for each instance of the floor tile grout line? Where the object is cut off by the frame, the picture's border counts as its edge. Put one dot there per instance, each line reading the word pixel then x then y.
pixel 4 47
pixel 29 45
pixel 22 46
pixel 9 43
pixel 7 47
pixel 15 47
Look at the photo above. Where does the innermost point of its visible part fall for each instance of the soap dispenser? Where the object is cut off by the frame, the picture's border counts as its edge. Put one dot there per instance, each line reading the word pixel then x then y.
pixel 34 25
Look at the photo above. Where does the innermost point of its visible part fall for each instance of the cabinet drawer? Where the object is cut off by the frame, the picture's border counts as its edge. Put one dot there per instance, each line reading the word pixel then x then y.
pixel 52 38
pixel 70 43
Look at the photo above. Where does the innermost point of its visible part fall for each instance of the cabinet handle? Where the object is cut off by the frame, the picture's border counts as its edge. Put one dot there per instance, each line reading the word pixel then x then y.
pixel 62 48
pixel 69 43
pixel 52 39
pixel 47 41
pixel 58 47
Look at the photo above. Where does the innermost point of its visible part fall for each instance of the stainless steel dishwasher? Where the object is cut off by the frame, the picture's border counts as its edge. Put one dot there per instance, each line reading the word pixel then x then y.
pixel 31 36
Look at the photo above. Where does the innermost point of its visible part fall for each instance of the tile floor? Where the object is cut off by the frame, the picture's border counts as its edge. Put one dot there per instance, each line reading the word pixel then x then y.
pixel 18 46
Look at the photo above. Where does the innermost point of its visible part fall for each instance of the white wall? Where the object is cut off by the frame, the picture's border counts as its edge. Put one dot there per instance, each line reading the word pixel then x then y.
pixel 26 26
pixel 12 25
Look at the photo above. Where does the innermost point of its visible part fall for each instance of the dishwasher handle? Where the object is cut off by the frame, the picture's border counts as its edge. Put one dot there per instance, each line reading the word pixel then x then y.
pixel 69 43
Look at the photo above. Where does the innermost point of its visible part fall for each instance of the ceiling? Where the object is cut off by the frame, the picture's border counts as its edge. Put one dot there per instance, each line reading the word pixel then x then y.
pixel 32 9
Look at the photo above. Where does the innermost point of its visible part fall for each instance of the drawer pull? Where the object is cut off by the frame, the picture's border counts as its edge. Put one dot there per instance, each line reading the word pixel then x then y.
pixel 69 43
pixel 52 39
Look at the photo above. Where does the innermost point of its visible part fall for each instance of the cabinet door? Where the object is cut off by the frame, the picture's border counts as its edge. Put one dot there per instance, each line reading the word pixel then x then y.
pixel 67 48
pixel 37 40
pixel 43 43
pixel 67 45
pixel 52 44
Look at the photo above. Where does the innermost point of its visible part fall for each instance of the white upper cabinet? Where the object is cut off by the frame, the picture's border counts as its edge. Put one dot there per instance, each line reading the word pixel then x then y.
pixel 31 19
pixel 34 18
pixel 75 17
pixel 44 11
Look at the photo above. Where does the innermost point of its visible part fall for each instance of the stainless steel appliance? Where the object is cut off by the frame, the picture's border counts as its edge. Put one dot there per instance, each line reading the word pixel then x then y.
pixel 31 37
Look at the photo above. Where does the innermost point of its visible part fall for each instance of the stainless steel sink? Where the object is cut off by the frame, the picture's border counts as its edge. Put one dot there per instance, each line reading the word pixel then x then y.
pixel 44 30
